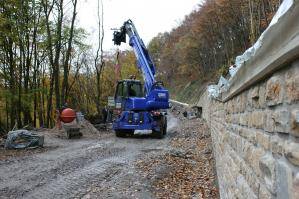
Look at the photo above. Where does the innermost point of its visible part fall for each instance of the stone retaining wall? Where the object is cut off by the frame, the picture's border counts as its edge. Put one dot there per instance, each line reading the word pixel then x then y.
pixel 256 138
pixel 255 123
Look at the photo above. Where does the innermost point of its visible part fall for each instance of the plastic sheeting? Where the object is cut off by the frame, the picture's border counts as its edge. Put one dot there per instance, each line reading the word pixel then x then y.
pixel 21 139
pixel 284 7
pixel 222 83
pixel 232 70
pixel 213 91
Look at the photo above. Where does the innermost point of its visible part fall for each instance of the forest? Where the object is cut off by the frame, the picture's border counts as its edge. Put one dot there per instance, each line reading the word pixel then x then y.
pixel 207 41
pixel 45 62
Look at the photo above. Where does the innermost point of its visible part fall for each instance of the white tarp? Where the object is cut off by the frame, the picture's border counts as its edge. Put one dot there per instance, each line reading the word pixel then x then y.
pixel 222 83
pixel 213 91
pixel 284 7
pixel 232 70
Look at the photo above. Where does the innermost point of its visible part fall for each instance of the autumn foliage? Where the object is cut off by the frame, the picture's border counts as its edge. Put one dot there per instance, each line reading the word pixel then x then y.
pixel 209 38
pixel 46 63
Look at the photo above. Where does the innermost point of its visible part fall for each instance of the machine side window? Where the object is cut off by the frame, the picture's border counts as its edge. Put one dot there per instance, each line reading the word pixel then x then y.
pixel 135 90
pixel 120 90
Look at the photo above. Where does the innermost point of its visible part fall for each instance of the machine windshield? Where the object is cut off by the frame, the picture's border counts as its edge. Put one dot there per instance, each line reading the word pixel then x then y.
pixel 135 89
pixel 129 89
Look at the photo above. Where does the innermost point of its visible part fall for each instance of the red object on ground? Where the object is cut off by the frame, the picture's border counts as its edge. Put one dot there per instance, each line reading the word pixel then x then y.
pixel 67 115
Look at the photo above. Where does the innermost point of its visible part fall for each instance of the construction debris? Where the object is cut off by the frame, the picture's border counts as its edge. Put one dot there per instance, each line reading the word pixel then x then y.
pixel 21 139
pixel 72 131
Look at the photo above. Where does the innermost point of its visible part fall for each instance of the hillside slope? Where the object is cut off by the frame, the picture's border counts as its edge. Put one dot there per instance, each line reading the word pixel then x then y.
pixel 205 44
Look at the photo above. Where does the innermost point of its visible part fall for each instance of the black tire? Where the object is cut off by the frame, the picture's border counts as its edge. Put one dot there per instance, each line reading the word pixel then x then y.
pixel 163 128
pixel 130 132
pixel 158 134
pixel 124 133
pixel 119 133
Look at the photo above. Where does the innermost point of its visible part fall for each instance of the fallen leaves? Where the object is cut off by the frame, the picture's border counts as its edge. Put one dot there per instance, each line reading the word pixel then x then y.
pixel 186 171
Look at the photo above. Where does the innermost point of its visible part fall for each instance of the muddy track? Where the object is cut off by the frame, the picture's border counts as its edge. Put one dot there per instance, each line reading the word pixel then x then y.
pixel 85 168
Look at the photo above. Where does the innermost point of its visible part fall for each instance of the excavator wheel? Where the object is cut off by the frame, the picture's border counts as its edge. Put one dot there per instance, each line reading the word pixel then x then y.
pixel 119 133
pixel 163 126
pixel 124 133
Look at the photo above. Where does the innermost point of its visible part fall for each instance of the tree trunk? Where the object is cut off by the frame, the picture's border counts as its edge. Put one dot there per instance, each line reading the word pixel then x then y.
pixel 66 67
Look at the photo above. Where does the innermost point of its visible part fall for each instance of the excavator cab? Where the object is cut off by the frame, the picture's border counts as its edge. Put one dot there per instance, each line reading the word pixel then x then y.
pixel 126 89
pixel 129 88
pixel 134 110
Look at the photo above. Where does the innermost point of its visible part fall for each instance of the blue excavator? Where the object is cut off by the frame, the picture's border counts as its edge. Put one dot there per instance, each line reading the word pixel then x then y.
pixel 139 107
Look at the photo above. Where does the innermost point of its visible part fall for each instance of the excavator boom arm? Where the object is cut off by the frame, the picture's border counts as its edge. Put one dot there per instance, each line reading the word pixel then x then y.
pixel 145 63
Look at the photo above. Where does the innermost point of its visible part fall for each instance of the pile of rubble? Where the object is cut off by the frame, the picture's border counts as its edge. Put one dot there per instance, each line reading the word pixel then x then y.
pixel 76 128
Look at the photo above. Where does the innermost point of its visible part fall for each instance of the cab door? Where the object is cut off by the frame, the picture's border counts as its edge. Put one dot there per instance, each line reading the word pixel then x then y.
pixel 120 95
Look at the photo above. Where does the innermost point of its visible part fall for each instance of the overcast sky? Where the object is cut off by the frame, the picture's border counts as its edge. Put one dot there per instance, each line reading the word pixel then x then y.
pixel 149 16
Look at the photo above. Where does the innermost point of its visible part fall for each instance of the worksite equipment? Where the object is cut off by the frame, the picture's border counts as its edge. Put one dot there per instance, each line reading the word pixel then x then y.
pixel 138 107
pixel 67 116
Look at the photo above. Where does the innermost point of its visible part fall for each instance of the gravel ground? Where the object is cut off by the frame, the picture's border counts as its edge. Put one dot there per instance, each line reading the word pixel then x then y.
pixel 103 166
pixel 185 171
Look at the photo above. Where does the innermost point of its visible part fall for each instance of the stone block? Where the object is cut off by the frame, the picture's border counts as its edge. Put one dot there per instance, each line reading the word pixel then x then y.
pixel 228 118
pixel 295 122
pixel 284 180
pixel 238 104
pixel 249 155
pixel 245 190
pixel 248 134
pixel 292 153
pixel 230 106
pixel 263 139
pixel 274 90
pixel 277 145
pixel 254 93
pixel 244 148
pixel 242 102
pixel 264 193
pixel 269 124
pixel 262 95
pixel 236 118
pixel 257 119
pixel 244 119
pixel 253 97
pixel 254 160
pixel 234 105
pixel 267 166
pixel 253 183
pixel 238 144
pixel 292 84
pixel 295 188
pixel 281 120
pixel 250 177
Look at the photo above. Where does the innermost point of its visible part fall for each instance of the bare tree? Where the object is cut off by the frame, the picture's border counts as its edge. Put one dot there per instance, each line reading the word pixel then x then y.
pixel 98 61
pixel 66 68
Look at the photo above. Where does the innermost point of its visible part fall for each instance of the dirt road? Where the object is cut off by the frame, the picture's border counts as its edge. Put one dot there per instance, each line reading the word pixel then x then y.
pixel 111 167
